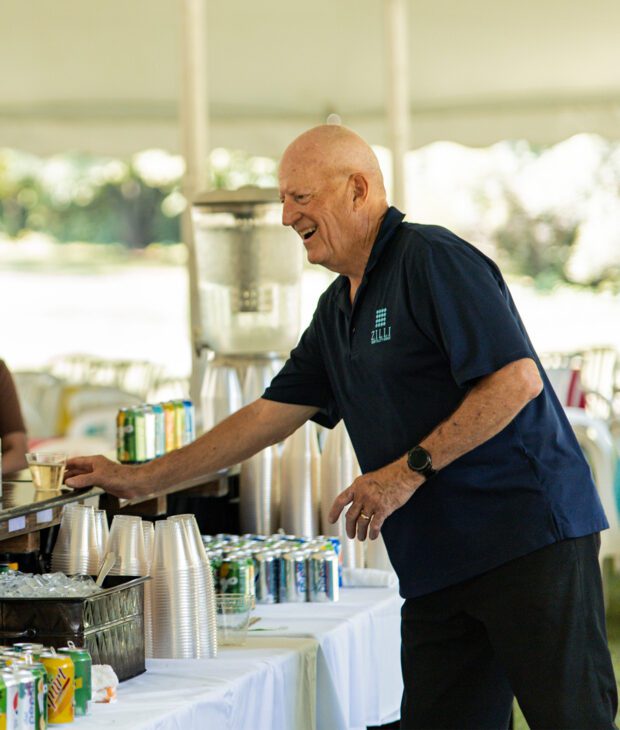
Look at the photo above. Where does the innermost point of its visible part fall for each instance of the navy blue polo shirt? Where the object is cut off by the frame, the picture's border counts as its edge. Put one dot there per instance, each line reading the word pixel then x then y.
pixel 433 315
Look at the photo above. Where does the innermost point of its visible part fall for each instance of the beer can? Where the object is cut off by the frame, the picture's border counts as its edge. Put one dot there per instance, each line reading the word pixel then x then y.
pixel 140 434
pixel 126 450
pixel 26 709
pixel 323 576
pixel 267 580
pixel 40 690
pixel 169 426
pixel 160 429
pixel 11 686
pixel 82 664
pixel 60 687
pixel 234 575
pixel 149 432
pixel 189 434
pixel 293 577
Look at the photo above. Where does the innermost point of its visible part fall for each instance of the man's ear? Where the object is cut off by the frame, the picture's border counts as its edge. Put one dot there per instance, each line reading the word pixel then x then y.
pixel 359 186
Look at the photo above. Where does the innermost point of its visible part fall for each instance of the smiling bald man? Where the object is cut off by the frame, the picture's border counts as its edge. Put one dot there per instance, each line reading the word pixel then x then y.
pixel 471 471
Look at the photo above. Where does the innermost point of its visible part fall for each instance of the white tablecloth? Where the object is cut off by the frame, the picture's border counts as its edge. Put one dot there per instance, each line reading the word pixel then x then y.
pixel 304 667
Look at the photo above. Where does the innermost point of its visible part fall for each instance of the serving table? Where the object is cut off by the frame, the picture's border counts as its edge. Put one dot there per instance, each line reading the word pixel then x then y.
pixel 309 666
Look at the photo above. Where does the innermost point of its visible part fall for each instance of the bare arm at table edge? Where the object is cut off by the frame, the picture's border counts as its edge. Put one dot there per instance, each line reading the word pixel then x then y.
pixel 490 405
pixel 14 448
pixel 244 433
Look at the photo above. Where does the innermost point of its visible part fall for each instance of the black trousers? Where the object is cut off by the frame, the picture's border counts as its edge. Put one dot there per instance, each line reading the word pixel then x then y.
pixel 533 628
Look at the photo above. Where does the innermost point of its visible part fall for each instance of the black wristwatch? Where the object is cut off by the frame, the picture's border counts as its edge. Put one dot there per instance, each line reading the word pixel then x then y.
pixel 420 461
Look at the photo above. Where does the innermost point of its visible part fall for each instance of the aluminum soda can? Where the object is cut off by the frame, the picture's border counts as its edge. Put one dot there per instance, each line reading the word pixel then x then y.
pixel 11 686
pixel 149 432
pixel 40 690
pixel 26 710
pixel 3 704
pixel 179 422
pixel 189 434
pixel 169 426
pixel 29 647
pixel 267 579
pixel 140 431
pixel 323 583
pixel 234 575
pixel 60 687
pixel 82 664
pixel 293 577
pixel 160 429
pixel 127 446
pixel 215 558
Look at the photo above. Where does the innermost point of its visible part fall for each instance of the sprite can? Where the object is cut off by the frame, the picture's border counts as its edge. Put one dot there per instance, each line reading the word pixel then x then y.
pixel 82 666
pixel 140 431
pixel 126 434
pixel 234 574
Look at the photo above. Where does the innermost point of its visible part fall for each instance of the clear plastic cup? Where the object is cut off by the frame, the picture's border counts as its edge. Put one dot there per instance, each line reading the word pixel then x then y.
pixel 232 613
pixel 47 469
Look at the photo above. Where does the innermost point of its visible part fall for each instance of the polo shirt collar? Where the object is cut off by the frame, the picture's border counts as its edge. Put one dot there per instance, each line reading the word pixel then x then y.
pixel 391 220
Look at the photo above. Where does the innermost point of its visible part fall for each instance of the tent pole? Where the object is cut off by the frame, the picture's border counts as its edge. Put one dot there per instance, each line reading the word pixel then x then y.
pixel 194 133
pixel 396 36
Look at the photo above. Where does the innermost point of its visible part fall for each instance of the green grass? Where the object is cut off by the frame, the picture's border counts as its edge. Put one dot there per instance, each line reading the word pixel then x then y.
pixel 613 633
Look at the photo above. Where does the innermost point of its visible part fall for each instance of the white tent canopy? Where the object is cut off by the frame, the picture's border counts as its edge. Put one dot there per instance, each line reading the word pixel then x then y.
pixel 104 75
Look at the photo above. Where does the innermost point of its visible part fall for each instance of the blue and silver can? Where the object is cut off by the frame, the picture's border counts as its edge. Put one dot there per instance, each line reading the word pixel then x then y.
pixel 323 584
pixel 160 429
pixel 293 577
pixel 189 432
pixel 266 577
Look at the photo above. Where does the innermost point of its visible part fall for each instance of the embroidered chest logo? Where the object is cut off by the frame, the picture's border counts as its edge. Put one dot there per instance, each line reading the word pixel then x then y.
pixel 381 332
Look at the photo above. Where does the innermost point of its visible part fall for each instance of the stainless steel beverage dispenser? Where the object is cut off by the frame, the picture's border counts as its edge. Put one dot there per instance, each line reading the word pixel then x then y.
pixel 249 269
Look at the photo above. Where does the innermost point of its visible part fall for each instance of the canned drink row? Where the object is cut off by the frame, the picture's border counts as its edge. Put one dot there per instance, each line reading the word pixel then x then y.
pixel 41 687
pixel 276 569
pixel 153 429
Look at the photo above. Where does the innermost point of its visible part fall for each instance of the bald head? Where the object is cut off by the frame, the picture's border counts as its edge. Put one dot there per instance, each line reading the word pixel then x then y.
pixel 332 149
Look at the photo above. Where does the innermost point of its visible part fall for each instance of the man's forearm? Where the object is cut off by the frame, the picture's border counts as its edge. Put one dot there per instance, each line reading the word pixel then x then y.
pixel 486 410
pixel 235 439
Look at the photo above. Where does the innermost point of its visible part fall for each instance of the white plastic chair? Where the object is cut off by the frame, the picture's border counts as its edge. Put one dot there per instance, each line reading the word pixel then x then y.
pixel 595 439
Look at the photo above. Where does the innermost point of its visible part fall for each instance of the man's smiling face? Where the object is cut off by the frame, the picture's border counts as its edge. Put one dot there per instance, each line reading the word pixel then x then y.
pixel 317 206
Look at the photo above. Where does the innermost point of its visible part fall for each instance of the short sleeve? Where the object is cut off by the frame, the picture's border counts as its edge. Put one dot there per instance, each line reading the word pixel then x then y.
pixel 11 419
pixel 462 303
pixel 304 381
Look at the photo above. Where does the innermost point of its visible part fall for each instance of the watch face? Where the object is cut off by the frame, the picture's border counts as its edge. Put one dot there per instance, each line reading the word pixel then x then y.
pixel 419 458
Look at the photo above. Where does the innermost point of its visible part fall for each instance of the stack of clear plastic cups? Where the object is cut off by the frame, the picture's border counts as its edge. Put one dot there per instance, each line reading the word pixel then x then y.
pixel 84 555
pixel 205 627
pixel 126 541
pixel 182 599
pixel 148 532
pixel 60 554
pixel 102 532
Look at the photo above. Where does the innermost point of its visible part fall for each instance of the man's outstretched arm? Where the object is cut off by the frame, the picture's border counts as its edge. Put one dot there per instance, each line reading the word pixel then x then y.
pixel 241 435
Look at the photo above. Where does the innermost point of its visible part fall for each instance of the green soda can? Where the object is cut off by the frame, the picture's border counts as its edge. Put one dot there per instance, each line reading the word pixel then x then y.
pixel 3 706
pixel 234 574
pixel 126 451
pixel 215 558
pixel 140 431
pixel 83 687
pixel 179 422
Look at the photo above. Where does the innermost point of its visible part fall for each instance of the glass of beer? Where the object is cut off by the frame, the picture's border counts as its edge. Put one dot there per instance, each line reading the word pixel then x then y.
pixel 47 469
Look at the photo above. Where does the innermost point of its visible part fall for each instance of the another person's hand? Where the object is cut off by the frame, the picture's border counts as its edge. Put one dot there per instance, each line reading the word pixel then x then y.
pixel 121 480
pixel 373 498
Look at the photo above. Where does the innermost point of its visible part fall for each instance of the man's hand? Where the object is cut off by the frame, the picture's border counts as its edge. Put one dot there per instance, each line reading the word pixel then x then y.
pixel 373 497
pixel 117 479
